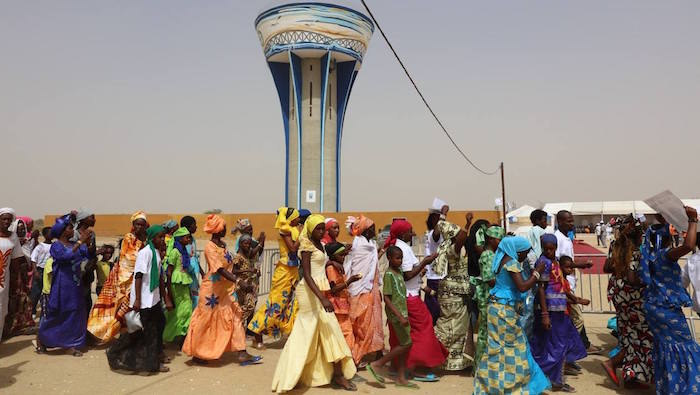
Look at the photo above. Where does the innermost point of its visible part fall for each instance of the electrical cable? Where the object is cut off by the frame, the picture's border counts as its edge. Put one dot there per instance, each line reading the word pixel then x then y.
pixel 423 97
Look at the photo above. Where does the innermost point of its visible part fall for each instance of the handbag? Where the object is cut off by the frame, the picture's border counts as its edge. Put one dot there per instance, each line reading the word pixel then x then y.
pixel 133 321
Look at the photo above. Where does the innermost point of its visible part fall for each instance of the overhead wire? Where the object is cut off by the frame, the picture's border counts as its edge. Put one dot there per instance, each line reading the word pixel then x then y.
pixel 405 70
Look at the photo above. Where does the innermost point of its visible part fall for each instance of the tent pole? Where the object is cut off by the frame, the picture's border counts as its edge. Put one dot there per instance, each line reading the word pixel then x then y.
pixel 503 196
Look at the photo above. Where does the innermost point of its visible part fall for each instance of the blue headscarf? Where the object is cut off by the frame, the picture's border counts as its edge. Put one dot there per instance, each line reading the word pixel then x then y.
pixel 509 246
pixel 61 224
pixel 548 238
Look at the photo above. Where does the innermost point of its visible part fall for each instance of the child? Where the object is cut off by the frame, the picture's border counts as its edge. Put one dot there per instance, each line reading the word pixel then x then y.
pixel 338 294
pixel 555 340
pixel 397 317
pixel 104 266
pixel 40 255
pixel 47 277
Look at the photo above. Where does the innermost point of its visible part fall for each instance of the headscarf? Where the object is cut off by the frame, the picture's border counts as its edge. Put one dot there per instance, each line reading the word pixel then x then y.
pixel 311 223
pixel 285 215
pixel 169 224
pixel 215 224
pixel 83 213
pixel 495 232
pixel 509 246
pixel 8 210
pixel 326 236
pixel 304 213
pixel 335 248
pixel 358 226
pixel 61 224
pixel 398 227
pixel 480 235
pixel 138 215
pixel 244 237
pixel 28 222
pixel 151 233
pixel 549 238
pixel 240 225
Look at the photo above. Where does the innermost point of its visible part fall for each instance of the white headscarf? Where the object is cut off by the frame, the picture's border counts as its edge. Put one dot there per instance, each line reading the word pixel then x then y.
pixel 8 210
pixel 82 214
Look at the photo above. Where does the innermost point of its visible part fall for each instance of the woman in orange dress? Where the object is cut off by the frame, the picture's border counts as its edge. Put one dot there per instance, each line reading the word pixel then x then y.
pixel 216 325
pixel 107 315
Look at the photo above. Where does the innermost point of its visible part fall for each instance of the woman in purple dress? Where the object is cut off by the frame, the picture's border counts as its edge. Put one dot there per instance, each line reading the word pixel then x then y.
pixel 65 323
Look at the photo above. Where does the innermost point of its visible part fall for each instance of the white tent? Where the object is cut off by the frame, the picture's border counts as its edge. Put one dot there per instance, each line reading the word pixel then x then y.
pixel 608 208
pixel 522 212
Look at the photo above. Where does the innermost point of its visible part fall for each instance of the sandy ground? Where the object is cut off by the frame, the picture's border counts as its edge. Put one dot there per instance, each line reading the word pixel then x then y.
pixel 24 372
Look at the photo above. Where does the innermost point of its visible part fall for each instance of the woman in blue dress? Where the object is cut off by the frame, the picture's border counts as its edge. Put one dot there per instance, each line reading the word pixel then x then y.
pixel 676 355
pixel 507 365
pixel 65 323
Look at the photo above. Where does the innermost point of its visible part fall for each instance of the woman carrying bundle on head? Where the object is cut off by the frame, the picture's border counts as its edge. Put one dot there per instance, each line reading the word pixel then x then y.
pixel 276 317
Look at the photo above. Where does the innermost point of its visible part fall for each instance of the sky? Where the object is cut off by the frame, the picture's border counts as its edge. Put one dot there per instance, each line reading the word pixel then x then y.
pixel 168 106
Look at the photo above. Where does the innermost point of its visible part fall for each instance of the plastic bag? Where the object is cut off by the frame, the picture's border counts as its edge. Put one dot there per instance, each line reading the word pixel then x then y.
pixel 133 321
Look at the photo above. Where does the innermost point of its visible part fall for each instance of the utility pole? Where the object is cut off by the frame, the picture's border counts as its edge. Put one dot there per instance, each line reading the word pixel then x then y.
pixel 503 197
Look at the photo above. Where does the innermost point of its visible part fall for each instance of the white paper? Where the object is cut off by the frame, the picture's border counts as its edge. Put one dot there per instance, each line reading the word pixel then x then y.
pixel 672 209
pixel 498 201
pixel 437 204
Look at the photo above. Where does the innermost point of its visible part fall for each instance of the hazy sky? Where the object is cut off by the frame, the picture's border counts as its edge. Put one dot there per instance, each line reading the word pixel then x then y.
pixel 168 105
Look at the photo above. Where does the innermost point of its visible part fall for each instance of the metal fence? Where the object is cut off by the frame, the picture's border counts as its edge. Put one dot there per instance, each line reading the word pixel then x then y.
pixel 591 286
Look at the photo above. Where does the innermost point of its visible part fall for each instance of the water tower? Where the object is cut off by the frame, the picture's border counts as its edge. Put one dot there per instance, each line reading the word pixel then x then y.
pixel 314 51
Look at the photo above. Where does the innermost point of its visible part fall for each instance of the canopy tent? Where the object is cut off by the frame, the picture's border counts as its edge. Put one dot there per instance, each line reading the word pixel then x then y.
pixel 522 212
pixel 608 208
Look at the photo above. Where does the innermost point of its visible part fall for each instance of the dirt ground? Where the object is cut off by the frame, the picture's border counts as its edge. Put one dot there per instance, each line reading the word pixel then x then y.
pixel 24 372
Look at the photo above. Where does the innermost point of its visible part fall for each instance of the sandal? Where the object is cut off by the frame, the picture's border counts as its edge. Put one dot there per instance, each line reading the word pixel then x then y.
pixel 259 346
pixel 76 353
pixel 408 385
pixel 338 386
pixel 163 369
pixel 253 360
pixel 428 378
pixel 199 361
pixel 563 388
pixel 611 372
pixel 376 376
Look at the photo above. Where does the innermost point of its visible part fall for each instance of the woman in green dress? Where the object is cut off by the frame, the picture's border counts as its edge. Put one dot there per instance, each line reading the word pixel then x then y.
pixel 177 262
pixel 493 236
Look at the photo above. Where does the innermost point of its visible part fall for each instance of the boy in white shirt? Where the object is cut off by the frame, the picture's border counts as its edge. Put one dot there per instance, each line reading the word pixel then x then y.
pixel 40 255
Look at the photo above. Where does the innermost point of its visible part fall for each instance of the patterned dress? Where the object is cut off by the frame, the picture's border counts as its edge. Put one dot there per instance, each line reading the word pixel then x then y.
pixel 452 326
pixel 676 354
pixel 482 298
pixel 216 325
pixel 246 298
pixel 276 317
pixel 636 340
pixel 507 365
pixel 107 315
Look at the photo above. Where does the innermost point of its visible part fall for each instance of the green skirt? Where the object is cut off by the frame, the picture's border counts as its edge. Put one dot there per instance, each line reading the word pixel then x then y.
pixel 177 321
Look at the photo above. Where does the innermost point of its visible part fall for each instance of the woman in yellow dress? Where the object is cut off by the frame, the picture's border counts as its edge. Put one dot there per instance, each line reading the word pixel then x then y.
pixel 107 315
pixel 316 353
pixel 276 317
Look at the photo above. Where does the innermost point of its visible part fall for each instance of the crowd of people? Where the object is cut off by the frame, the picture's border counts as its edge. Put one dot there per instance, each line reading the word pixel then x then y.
pixel 515 294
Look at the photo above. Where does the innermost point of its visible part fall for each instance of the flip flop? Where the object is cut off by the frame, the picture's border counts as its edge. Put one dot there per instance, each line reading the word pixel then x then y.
pixel 611 373
pixel 254 360
pixel 377 377
pixel 408 385
pixel 428 378
pixel 337 386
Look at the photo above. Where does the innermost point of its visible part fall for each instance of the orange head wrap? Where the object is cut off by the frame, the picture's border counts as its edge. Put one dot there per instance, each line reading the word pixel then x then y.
pixel 357 226
pixel 215 224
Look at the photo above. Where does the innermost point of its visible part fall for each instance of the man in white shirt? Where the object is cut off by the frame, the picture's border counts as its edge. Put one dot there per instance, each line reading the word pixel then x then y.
pixel 142 351
pixel 40 255
pixel 565 247
pixel 432 242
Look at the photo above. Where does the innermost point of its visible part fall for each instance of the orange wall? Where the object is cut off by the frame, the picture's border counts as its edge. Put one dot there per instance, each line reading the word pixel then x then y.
pixel 116 225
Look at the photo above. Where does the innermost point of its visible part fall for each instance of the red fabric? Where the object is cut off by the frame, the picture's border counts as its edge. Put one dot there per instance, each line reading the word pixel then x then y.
pixel 326 237
pixel 397 227
pixel 584 251
pixel 426 351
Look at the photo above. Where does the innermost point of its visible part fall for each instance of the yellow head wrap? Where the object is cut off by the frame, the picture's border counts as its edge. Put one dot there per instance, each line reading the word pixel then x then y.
pixel 311 223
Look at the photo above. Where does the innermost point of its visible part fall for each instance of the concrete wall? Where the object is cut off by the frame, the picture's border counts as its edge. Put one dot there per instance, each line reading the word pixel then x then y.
pixel 116 225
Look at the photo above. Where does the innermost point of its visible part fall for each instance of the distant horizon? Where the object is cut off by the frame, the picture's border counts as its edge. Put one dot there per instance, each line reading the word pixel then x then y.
pixel 170 107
